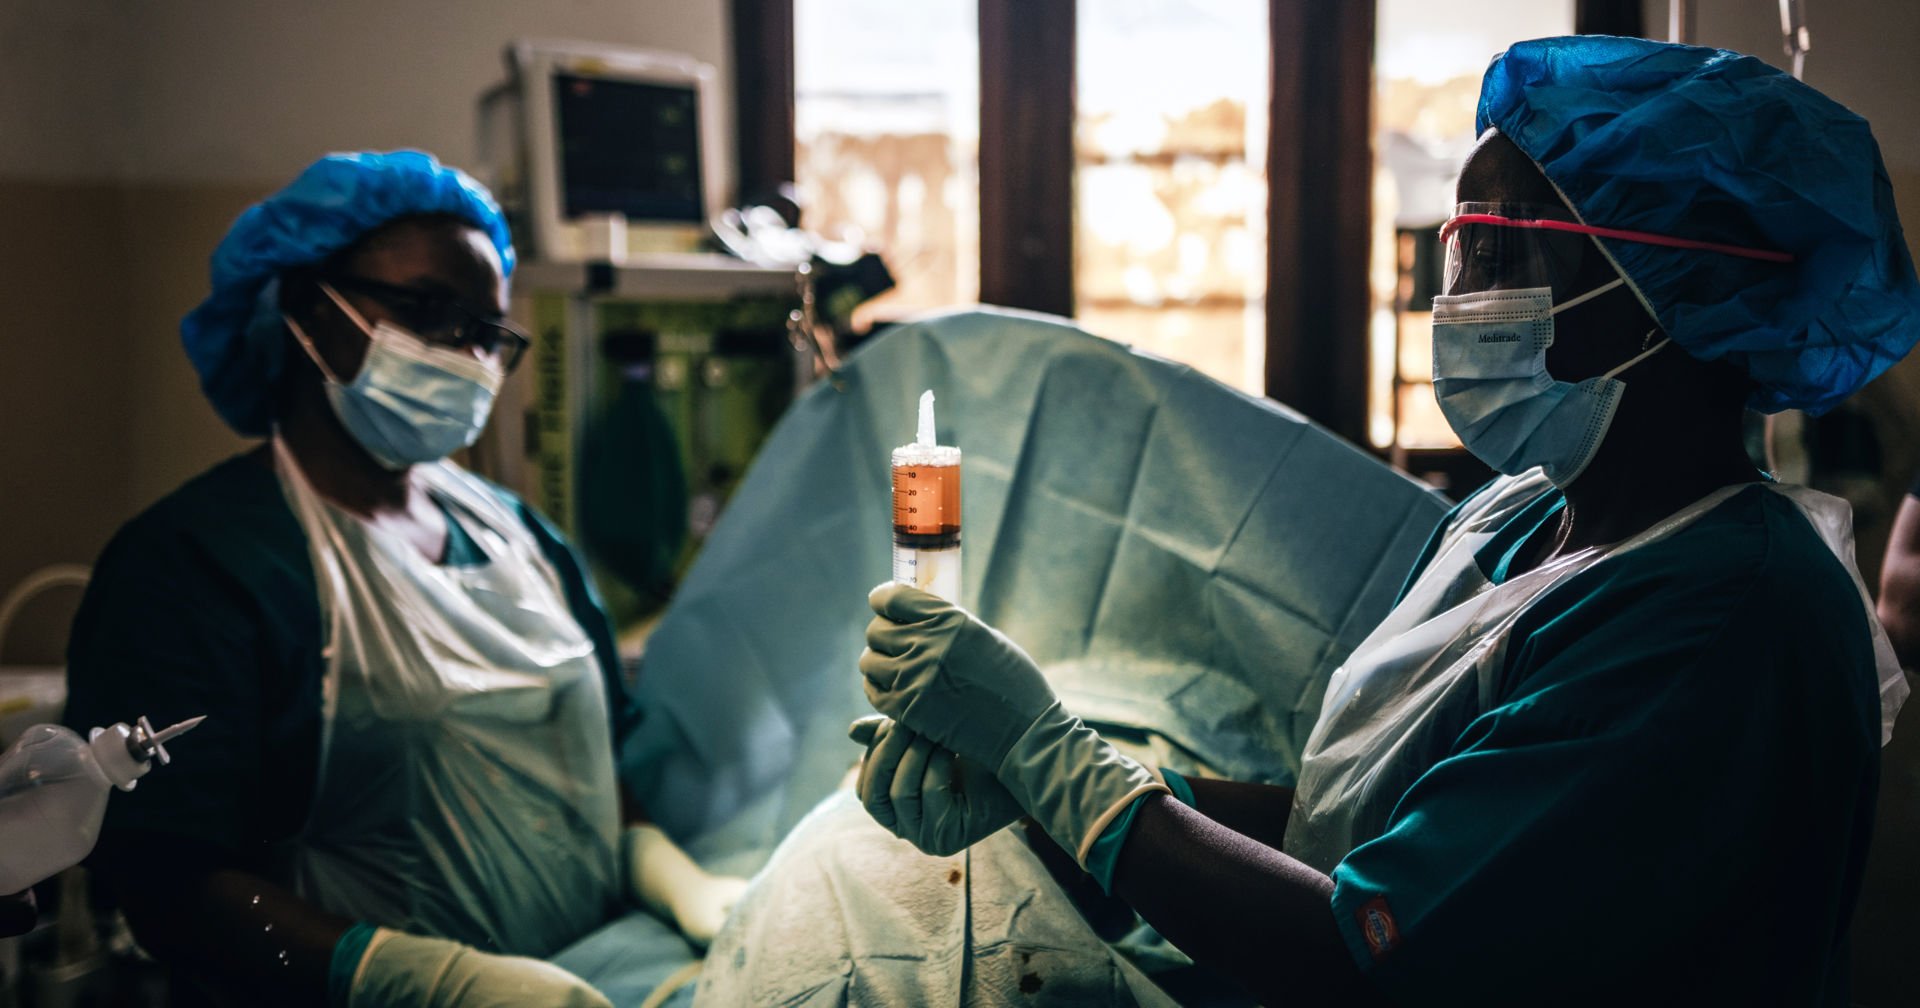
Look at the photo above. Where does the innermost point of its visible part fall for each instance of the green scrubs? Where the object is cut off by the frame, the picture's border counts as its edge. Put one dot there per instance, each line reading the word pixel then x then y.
pixel 206 604
pixel 1668 799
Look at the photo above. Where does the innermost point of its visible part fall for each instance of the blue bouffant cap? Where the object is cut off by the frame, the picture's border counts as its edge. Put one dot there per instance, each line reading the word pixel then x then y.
pixel 234 337
pixel 1715 146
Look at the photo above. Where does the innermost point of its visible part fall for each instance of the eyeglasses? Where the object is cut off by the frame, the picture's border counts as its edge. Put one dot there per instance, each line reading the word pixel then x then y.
pixel 443 320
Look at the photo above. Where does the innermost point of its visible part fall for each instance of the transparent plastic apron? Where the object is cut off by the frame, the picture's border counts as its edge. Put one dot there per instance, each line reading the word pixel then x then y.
pixel 466 784
pixel 1397 705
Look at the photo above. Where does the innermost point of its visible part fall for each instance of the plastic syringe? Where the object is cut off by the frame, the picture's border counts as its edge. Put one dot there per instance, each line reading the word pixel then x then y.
pixel 54 787
pixel 926 511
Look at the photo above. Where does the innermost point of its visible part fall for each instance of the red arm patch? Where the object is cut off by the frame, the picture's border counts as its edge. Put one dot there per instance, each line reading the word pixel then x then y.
pixel 1376 923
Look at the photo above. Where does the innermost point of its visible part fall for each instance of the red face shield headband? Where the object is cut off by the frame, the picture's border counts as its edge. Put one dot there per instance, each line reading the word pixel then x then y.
pixel 1643 237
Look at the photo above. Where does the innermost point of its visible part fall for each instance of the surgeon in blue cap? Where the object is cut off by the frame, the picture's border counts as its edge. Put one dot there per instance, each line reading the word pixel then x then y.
pixel 412 693
pixel 1618 741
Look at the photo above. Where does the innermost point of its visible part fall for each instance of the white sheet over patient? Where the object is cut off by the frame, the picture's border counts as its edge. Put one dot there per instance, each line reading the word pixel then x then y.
pixel 847 914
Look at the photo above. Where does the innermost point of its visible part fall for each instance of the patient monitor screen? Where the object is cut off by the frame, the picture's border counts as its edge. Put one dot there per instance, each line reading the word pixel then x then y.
pixel 629 148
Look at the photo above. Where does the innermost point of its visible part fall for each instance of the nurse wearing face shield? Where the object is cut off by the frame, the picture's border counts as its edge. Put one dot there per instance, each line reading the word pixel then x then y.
pixel 410 798
pixel 1618 740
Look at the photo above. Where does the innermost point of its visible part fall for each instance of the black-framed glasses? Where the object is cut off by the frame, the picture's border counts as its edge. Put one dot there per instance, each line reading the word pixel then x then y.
pixel 442 319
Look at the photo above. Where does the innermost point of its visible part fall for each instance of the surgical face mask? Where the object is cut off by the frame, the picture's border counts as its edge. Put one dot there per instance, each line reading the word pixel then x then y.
pixel 411 402
pixel 1490 377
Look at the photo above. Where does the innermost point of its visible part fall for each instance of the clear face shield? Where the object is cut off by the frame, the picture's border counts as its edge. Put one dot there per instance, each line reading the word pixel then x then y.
pixel 1504 246
pixel 1518 246
pixel 1510 268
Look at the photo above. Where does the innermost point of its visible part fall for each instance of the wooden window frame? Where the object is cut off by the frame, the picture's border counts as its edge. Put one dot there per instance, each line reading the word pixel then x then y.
pixel 1027 61
pixel 1320 210
pixel 763 85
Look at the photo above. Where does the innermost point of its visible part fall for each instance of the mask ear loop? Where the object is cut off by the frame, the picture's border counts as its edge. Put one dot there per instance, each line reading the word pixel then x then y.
pixel 1588 296
pixel 366 328
pixel 307 345
pixel 1642 355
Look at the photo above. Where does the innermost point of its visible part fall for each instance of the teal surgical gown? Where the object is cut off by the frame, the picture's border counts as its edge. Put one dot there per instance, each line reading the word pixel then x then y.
pixel 1668 799
pixel 206 604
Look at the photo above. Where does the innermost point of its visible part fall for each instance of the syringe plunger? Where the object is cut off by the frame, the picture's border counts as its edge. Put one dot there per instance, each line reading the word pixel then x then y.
pixel 925 437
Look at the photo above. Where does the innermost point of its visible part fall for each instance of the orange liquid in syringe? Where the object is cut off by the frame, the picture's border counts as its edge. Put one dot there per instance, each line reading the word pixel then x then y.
pixel 926 502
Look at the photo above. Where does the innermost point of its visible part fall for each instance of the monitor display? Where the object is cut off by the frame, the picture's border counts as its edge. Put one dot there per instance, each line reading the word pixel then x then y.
pixel 629 147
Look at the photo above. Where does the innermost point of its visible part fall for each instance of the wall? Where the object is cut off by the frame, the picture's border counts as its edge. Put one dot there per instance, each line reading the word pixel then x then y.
pixel 131 134
pixel 64 452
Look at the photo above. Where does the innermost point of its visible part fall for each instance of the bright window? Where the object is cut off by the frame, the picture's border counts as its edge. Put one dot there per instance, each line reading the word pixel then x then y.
pixel 1170 180
pixel 887 127
pixel 1428 60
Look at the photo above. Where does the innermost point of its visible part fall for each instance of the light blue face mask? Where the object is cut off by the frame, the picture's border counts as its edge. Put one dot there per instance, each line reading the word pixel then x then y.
pixel 412 401
pixel 1490 377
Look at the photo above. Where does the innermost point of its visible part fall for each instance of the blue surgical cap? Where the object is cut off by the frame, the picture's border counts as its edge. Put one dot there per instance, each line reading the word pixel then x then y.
pixel 1716 146
pixel 235 337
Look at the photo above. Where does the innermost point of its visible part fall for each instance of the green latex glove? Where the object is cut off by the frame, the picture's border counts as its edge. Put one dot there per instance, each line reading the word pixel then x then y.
pixel 401 970
pixel 924 794
pixel 934 668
